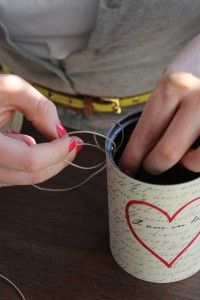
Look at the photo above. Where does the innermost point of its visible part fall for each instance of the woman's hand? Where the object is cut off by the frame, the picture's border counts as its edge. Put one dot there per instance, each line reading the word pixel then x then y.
pixel 22 161
pixel 168 126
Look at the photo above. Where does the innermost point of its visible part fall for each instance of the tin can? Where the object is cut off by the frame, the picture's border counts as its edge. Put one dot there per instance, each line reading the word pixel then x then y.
pixel 154 221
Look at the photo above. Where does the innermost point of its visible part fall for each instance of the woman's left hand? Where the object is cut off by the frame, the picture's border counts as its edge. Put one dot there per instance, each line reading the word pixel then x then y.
pixel 168 126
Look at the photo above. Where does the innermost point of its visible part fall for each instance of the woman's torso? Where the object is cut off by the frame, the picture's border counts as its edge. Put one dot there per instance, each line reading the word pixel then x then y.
pixel 127 48
pixel 49 29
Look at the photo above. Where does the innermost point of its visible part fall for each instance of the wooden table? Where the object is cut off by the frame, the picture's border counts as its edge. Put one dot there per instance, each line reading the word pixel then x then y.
pixel 55 246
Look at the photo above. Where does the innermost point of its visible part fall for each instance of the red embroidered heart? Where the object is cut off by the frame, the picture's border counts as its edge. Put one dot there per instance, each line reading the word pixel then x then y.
pixel 170 220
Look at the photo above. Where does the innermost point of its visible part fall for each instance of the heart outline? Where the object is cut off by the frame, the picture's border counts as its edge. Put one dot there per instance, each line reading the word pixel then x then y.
pixel 170 219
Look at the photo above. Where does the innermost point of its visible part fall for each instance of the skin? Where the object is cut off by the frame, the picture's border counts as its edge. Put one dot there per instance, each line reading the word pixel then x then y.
pixel 170 122
pixel 168 126
pixel 22 161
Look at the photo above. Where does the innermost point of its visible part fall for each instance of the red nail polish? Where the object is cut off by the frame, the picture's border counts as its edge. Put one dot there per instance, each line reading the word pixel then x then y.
pixel 60 129
pixel 14 131
pixel 79 147
pixel 72 145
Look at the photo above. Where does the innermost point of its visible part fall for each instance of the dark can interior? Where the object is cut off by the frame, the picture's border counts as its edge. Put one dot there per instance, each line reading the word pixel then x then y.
pixel 177 174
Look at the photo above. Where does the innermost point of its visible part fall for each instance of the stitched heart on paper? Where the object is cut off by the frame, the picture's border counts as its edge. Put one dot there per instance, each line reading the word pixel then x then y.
pixel 167 237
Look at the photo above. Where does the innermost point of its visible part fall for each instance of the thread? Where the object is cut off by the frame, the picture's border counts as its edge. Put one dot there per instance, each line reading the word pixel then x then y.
pixel 87 168
pixel 96 145
pixel 13 285
pixel 102 166
pixel 73 187
pixel 105 122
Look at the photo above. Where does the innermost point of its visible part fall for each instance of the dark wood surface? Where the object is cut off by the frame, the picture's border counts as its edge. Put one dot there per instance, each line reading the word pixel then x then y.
pixel 56 245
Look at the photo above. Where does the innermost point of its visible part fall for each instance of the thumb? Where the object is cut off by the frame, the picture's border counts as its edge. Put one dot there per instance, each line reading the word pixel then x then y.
pixel 19 94
pixel 29 140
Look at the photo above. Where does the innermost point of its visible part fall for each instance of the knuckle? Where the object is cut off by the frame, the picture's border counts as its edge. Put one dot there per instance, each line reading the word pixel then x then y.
pixel 11 84
pixel 144 135
pixel 167 87
pixel 36 178
pixel 31 164
pixel 195 103
pixel 168 91
pixel 45 107
pixel 3 152
pixel 168 152
pixel 184 80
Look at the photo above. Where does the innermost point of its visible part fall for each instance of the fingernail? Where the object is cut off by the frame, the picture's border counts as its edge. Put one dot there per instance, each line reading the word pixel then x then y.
pixel 79 146
pixel 154 172
pixel 60 129
pixel 14 131
pixel 72 145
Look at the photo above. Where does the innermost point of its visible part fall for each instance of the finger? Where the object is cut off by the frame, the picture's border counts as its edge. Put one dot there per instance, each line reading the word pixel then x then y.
pixel 156 116
pixel 17 94
pixel 10 177
pixel 191 160
pixel 19 156
pixel 22 137
pixel 178 138
pixel 4 185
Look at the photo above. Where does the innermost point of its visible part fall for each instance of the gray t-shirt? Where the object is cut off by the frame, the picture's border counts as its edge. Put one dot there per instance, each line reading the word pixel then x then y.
pixel 125 53
pixel 49 29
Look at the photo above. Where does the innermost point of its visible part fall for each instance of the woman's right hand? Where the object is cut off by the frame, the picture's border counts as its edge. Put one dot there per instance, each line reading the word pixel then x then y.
pixel 22 161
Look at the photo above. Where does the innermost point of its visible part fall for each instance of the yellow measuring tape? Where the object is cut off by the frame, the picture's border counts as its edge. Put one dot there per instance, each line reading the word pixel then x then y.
pixel 106 105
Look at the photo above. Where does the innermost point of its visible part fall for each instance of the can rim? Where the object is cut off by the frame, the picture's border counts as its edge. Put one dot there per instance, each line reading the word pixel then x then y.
pixel 111 135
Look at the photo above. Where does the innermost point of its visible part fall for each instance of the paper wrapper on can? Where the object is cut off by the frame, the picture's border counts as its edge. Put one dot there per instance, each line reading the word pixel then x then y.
pixel 154 228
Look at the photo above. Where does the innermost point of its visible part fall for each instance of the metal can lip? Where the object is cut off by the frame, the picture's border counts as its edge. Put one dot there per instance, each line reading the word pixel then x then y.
pixel 117 127
pixel 115 130
pixel 122 123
